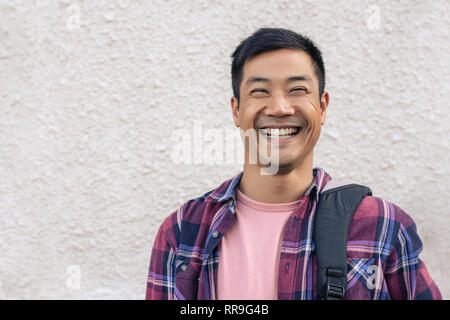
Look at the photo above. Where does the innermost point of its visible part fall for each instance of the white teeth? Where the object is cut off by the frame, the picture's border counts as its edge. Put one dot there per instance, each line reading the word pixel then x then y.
pixel 279 132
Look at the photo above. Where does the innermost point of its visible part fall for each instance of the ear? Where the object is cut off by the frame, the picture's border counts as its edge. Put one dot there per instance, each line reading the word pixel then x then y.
pixel 235 110
pixel 324 100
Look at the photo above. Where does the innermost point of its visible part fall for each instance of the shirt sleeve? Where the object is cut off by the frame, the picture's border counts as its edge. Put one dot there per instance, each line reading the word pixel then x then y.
pixel 406 275
pixel 161 274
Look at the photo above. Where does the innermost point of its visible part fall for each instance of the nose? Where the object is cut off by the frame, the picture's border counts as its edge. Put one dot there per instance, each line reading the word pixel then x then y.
pixel 279 106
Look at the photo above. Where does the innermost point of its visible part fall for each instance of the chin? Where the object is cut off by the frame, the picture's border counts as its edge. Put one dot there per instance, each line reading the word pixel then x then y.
pixel 283 167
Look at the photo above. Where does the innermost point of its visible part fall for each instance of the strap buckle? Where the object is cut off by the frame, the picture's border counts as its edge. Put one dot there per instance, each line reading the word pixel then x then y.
pixel 335 279
pixel 335 291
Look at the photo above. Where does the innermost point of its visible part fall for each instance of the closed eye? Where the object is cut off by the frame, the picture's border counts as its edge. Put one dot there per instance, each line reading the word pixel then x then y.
pixel 298 89
pixel 259 90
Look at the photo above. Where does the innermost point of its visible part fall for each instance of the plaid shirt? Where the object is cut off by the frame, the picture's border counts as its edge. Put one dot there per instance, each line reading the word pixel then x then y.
pixel 185 255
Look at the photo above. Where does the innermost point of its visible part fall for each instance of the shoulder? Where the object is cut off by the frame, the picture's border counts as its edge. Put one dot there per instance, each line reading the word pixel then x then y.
pixel 194 211
pixel 189 211
pixel 381 209
pixel 203 208
pixel 379 223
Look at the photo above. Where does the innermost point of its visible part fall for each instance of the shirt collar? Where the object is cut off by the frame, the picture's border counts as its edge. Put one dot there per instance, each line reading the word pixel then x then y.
pixel 227 190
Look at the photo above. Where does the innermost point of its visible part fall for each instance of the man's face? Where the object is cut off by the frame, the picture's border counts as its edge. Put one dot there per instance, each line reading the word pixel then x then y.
pixel 280 89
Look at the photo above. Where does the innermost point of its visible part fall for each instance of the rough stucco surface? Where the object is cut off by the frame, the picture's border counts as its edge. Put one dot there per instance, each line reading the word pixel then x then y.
pixel 88 106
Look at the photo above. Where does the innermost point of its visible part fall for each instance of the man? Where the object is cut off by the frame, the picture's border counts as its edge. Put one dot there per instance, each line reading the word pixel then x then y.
pixel 251 238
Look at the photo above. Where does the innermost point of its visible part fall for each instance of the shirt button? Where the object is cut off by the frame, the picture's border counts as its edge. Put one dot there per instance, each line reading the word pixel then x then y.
pixel 231 202
pixel 286 267
pixel 215 234
pixel 184 267
pixel 294 221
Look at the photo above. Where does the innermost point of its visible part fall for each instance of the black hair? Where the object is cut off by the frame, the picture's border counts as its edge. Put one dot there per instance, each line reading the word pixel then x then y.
pixel 269 39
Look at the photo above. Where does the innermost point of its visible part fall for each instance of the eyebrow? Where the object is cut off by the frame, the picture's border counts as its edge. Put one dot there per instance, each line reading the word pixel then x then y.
pixel 253 80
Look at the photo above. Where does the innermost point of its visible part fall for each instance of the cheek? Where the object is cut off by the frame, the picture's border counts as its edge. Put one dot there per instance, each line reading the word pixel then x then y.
pixel 313 115
pixel 247 116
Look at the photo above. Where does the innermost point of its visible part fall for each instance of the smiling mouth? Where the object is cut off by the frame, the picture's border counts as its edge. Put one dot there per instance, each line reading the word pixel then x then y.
pixel 280 133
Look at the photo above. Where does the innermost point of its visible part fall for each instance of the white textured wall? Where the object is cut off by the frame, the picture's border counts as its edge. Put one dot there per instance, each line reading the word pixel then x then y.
pixel 87 107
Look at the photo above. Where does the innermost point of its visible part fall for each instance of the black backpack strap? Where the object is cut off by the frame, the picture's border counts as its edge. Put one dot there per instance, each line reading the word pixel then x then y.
pixel 334 214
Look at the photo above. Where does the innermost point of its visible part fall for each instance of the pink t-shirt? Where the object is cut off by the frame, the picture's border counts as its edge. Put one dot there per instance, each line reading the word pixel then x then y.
pixel 249 252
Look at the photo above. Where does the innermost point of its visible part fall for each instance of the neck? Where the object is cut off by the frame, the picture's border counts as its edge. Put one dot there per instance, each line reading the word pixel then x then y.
pixel 284 187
